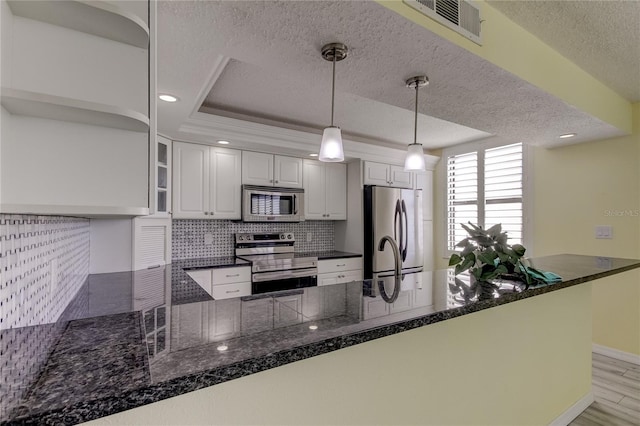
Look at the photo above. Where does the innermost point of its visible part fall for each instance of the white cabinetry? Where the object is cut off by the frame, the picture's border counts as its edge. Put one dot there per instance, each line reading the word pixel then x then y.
pixel 338 271
pixel 206 182
pixel 325 190
pixel 151 242
pixel 386 175
pixel 271 170
pixel 224 283
pixel 160 177
pixel 76 141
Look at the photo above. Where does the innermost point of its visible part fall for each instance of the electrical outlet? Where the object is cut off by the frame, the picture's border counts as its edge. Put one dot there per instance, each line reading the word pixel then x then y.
pixel 208 238
pixel 309 237
pixel 604 232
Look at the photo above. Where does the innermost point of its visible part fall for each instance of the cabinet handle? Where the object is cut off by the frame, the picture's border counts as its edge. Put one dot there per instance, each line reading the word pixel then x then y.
pixel 343 264
pixel 206 213
pixel 270 180
pixel 232 291
pixel 233 275
pixel 211 213
pixel 276 181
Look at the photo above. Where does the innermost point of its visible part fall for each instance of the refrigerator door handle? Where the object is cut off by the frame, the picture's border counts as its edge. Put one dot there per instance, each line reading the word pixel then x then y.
pixel 397 216
pixel 406 232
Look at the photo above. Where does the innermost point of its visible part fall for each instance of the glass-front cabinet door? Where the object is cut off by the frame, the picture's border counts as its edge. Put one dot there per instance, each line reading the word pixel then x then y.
pixel 160 196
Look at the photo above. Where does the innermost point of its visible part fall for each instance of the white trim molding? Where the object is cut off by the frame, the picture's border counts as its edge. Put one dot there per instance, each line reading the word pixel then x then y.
pixel 574 411
pixel 616 354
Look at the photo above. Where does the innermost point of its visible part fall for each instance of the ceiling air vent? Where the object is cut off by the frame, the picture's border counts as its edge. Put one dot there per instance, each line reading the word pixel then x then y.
pixel 461 16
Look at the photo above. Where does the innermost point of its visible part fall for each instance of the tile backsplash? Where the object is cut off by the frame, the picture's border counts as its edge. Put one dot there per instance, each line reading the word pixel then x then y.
pixel 44 260
pixel 188 236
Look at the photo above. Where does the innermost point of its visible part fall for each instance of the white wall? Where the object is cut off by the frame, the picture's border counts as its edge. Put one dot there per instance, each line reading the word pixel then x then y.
pixel 111 245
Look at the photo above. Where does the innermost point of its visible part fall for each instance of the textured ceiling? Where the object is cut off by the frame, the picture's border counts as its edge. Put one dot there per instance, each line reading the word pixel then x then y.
pixel 276 73
pixel 601 37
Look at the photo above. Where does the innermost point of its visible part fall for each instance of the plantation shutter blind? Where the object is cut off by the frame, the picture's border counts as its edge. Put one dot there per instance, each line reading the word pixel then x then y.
pixel 485 187
pixel 503 190
pixel 462 195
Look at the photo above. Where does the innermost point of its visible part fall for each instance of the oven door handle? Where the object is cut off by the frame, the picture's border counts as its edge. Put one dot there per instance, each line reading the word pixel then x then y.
pixel 283 275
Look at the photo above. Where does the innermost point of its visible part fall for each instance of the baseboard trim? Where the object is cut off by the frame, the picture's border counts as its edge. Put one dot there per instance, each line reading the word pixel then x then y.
pixel 574 411
pixel 616 354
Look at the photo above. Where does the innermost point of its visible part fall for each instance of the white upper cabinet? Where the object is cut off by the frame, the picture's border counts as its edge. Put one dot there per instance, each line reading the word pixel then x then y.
pixel 325 190
pixel 386 175
pixel 271 170
pixel 225 183
pixel 206 182
pixel 160 177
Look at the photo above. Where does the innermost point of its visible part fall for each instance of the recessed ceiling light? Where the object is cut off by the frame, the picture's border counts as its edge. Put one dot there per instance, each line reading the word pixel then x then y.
pixel 223 142
pixel 313 327
pixel 168 98
pixel 313 155
pixel 222 348
pixel 568 135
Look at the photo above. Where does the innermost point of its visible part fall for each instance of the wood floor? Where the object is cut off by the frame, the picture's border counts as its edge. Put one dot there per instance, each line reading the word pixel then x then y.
pixel 616 388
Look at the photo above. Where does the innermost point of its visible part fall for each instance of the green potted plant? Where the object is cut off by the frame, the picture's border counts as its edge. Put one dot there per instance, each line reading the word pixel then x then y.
pixel 487 256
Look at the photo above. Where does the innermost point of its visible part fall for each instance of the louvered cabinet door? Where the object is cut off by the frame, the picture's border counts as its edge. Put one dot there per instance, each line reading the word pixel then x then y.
pixel 151 242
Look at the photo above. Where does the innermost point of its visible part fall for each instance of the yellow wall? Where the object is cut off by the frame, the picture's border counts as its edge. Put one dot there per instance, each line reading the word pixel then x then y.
pixel 523 363
pixel 577 188
pixel 512 48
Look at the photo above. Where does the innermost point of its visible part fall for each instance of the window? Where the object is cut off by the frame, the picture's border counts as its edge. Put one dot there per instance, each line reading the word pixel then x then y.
pixel 485 187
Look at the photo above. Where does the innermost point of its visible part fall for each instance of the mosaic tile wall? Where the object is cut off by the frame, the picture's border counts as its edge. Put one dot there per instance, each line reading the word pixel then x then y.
pixel 187 236
pixel 44 260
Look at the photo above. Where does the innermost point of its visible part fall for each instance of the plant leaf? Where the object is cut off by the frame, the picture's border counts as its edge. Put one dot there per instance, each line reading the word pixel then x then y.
pixel 463 243
pixel 518 250
pixel 495 230
pixel 454 259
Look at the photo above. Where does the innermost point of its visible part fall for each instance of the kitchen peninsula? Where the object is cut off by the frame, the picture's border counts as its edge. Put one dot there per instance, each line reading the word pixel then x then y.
pixel 117 350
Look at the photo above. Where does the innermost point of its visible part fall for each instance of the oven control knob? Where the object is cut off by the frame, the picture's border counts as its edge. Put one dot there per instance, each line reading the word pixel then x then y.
pixel 282 236
pixel 241 238
pixel 248 237
pixel 289 236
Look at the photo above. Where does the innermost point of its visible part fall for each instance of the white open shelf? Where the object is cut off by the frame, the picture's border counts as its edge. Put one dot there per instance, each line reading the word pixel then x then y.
pixel 23 102
pixel 92 17
pixel 78 211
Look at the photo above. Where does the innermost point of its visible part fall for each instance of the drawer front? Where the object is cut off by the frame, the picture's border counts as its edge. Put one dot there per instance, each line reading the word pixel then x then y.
pixel 230 275
pixel 339 277
pixel 227 291
pixel 339 265
pixel 202 277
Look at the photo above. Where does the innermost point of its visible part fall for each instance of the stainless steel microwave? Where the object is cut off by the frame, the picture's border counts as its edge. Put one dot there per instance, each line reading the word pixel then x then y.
pixel 270 204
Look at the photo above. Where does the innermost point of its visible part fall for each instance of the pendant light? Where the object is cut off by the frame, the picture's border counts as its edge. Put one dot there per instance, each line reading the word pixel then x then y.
pixel 331 147
pixel 414 161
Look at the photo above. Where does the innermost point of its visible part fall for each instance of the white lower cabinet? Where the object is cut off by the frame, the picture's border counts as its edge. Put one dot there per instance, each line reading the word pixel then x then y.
pixel 287 310
pixel 339 271
pixel 224 319
pixel 414 293
pixel 224 283
pixel 196 324
pixel 374 307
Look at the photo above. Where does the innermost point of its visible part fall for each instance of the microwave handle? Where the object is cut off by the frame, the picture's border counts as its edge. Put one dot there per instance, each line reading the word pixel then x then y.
pixel 295 204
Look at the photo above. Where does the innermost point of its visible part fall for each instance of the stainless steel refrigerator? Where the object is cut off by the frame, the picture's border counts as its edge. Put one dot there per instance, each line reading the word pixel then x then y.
pixel 392 214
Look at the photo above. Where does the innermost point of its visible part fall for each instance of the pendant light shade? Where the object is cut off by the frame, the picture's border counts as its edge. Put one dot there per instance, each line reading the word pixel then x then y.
pixel 414 161
pixel 331 146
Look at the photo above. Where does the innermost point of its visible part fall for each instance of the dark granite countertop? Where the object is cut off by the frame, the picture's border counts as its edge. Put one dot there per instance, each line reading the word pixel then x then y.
pixel 124 340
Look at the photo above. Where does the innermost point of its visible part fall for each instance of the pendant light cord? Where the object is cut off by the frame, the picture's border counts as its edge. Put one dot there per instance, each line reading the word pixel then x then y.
pixel 415 128
pixel 333 85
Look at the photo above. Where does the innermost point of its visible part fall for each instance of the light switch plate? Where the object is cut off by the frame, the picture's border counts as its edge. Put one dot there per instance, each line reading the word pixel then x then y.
pixel 604 232
pixel 208 238
pixel 309 237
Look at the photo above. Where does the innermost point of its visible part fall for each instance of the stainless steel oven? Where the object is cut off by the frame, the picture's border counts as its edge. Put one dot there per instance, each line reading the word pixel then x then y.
pixel 274 264
pixel 269 204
